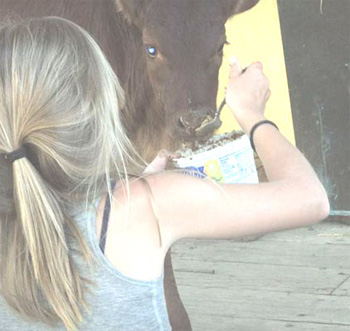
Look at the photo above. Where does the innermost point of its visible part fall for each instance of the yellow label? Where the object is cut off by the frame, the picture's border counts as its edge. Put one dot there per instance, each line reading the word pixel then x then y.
pixel 212 170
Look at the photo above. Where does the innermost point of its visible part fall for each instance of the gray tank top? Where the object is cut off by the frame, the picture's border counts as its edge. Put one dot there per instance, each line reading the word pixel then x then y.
pixel 118 302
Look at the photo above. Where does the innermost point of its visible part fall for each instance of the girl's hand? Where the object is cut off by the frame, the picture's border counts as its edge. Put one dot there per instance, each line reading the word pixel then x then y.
pixel 247 94
pixel 159 163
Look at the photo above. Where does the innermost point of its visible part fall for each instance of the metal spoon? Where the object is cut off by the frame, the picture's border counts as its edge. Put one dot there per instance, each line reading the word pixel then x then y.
pixel 207 127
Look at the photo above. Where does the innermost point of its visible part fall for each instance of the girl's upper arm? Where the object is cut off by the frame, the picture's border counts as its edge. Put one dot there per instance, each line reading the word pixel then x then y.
pixel 191 207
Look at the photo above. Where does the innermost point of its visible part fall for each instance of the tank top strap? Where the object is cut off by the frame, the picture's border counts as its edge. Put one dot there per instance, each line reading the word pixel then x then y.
pixel 105 220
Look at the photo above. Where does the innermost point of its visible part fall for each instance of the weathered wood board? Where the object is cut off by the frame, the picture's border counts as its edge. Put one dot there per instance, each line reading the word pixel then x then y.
pixel 292 280
pixel 203 322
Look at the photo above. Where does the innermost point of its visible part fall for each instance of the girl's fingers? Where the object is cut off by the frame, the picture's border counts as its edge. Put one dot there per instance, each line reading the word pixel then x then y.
pixel 159 163
pixel 235 69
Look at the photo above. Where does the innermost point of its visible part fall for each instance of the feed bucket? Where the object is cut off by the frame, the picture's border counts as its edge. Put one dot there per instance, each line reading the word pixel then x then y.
pixel 229 161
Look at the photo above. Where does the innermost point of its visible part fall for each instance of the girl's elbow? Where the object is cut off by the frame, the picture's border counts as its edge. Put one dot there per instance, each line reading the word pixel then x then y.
pixel 321 205
pixel 325 206
pixel 314 201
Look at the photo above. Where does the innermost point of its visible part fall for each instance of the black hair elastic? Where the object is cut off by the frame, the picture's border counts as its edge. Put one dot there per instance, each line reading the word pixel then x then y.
pixel 255 126
pixel 16 154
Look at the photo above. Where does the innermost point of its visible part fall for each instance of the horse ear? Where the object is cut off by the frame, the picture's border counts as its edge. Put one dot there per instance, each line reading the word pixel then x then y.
pixel 233 7
pixel 131 9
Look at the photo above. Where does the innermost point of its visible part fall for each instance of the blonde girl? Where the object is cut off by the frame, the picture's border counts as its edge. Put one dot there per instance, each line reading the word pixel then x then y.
pixel 62 144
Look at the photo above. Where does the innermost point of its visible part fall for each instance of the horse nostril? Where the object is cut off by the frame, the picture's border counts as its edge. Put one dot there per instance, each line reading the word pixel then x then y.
pixel 181 122
pixel 198 123
pixel 185 126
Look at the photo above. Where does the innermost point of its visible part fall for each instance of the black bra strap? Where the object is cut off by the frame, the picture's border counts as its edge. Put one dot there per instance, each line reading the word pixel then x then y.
pixel 105 220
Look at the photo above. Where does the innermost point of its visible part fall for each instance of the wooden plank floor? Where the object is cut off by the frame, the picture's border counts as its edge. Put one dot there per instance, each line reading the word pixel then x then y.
pixel 293 280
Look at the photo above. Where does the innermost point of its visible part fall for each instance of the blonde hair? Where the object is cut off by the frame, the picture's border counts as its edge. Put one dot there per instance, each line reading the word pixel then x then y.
pixel 59 98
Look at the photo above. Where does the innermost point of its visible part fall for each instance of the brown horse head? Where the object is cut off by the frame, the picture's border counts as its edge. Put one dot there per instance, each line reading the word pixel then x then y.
pixel 166 53
pixel 183 47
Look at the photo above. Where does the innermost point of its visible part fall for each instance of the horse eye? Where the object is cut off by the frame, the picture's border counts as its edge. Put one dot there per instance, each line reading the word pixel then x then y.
pixel 151 51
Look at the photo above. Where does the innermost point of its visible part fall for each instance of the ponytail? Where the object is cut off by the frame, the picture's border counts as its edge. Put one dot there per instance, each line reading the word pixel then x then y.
pixel 40 236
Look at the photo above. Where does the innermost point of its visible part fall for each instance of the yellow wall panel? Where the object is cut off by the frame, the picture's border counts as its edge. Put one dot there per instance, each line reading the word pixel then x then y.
pixel 256 36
